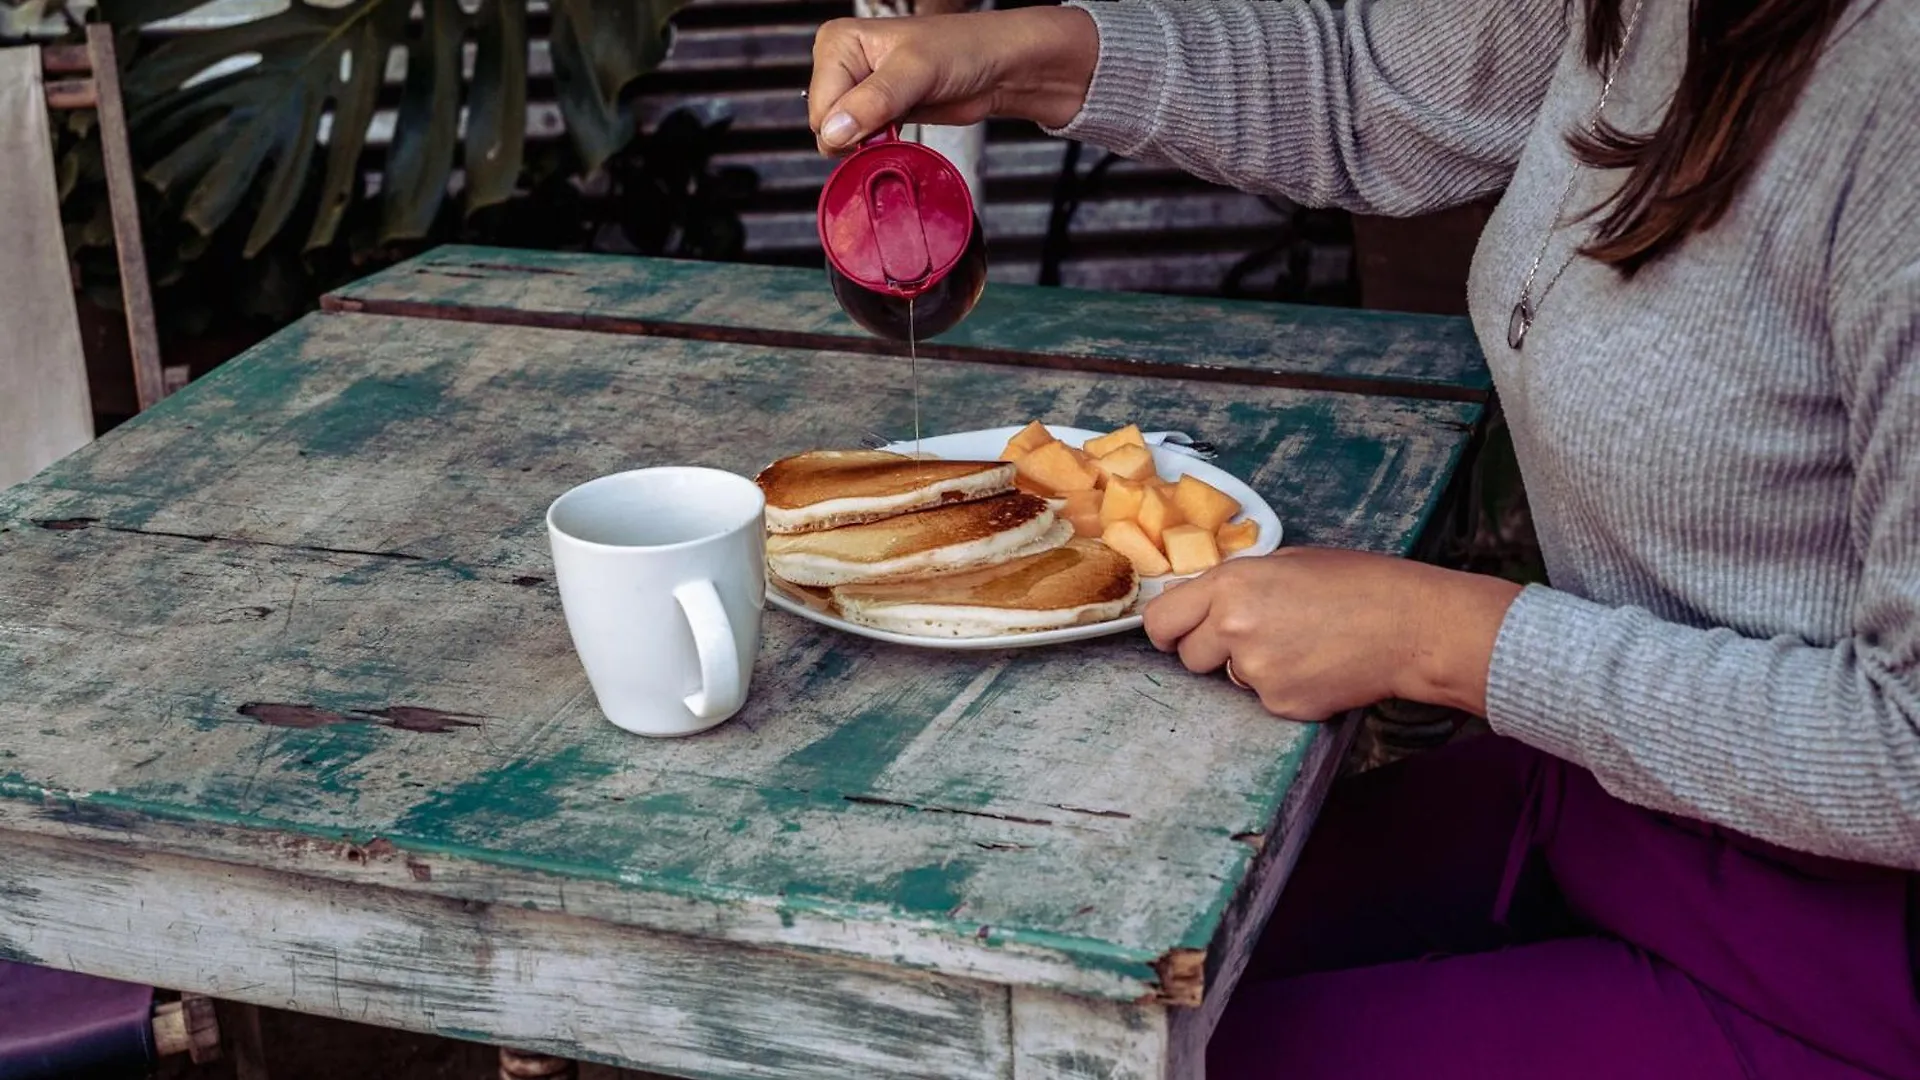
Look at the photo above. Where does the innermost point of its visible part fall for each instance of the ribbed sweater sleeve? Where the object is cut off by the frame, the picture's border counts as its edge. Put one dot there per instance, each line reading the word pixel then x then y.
pixel 1394 108
pixel 1815 747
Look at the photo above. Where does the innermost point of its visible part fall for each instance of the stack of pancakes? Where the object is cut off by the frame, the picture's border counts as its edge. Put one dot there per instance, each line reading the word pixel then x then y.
pixel 934 548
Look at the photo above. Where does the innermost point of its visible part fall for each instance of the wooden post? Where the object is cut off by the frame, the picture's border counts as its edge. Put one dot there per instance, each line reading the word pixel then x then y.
pixel 240 1031
pixel 143 334
pixel 187 1026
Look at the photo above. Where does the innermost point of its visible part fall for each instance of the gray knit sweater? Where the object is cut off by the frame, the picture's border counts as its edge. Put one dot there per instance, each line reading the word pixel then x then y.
pixel 1722 454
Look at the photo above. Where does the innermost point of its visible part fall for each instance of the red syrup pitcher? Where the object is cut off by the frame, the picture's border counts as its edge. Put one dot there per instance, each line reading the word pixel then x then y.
pixel 904 249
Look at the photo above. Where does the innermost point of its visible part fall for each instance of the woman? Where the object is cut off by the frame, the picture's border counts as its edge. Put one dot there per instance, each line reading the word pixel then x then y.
pixel 1690 848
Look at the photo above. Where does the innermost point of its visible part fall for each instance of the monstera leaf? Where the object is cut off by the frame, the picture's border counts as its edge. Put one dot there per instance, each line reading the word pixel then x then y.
pixel 206 141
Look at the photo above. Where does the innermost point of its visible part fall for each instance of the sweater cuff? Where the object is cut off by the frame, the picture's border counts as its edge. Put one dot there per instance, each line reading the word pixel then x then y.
pixel 1541 659
pixel 1128 80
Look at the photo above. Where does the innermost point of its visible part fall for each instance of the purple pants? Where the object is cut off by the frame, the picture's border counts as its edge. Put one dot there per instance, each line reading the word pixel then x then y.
pixel 56 1025
pixel 1487 911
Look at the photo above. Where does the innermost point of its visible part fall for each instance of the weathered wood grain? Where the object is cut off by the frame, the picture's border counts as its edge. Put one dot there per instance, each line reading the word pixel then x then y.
pixel 306 602
pixel 285 652
pixel 1225 341
pixel 500 974
pixel 1056 1037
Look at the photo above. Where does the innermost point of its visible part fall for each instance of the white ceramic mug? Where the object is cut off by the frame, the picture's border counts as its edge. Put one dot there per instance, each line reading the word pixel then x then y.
pixel 663 576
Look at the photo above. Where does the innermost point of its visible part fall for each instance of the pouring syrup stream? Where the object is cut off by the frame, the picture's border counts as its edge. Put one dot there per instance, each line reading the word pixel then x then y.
pixel 913 359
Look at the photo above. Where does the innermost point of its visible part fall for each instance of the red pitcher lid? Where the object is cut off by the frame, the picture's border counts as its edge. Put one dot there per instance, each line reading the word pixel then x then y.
pixel 895 216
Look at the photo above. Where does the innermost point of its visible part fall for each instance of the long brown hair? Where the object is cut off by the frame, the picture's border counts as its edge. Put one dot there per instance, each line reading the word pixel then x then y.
pixel 1747 61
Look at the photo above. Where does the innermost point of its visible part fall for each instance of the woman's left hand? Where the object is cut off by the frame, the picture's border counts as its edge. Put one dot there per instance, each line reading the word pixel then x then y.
pixel 1316 632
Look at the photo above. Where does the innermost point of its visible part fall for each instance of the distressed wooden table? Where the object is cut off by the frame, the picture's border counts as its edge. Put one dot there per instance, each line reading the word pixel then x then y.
pixel 288 713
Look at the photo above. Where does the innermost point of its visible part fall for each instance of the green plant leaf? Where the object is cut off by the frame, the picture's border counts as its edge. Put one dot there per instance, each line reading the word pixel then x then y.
pixel 421 157
pixel 497 109
pixel 356 94
pixel 599 47
pixel 206 145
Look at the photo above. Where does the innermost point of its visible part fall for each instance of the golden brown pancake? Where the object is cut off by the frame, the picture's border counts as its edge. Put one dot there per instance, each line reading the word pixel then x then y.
pixel 945 539
pixel 1080 582
pixel 827 489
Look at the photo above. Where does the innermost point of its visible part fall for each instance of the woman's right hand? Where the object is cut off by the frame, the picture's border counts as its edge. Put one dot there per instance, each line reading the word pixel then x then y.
pixel 1030 63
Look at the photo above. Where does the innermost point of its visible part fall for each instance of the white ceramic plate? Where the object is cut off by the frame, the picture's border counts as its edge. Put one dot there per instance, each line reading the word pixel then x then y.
pixel 1172 463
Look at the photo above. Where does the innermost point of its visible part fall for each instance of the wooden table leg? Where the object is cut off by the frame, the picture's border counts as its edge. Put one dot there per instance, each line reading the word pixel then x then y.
pixel 187 1026
pixel 240 1031
pixel 527 1065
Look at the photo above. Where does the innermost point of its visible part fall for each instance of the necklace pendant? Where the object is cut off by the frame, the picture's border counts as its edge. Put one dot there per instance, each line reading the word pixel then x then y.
pixel 1518 324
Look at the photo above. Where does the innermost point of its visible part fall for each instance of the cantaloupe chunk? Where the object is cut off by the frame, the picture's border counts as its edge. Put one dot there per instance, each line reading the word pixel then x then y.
pixel 1107 444
pixel 1086 461
pixel 1203 504
pixel 1237 536
pixel 1157 515
pixel 1054 467
pixel 1013 453
pixel 1083 509
pixel 1121 501
pixel 1191 549
pixel 1031 487
pixel 1086 523
pixel 1088 501
pixel 1086 527
pixel 1127 463
pixel 1032 437
pixel 1126 538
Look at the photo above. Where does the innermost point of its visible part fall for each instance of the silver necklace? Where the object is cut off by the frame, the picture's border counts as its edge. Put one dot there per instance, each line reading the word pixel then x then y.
pixel 1523 310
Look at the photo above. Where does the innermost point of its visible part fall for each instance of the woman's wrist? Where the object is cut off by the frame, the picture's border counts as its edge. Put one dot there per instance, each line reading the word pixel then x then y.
pixel 1453 640
pixel 1050 65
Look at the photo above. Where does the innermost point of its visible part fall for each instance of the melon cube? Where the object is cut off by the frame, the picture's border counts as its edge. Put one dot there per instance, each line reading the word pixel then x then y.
pixel 1127 463
pixel 1121 502
pixel 1086 528
pixel 1013 452
pixel 1157 514
pixel 1086 523
pixel 1238 536
pixel 1054 467
pixel 1087 462
pixel 1191 549
pixel 1085 502
pixel 1203 504
pixel 1021 483
pixel 1032 437
pixel 1107 444
pixel 1126 538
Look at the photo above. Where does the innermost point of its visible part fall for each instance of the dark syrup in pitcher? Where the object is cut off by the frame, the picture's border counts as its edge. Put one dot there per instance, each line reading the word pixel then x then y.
pixel 899 313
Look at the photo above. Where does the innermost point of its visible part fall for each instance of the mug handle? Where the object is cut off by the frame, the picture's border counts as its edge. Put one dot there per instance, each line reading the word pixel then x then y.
pixel 720 689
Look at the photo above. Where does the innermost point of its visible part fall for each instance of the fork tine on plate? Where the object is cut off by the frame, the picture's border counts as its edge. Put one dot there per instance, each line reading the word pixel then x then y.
pixel 1182 443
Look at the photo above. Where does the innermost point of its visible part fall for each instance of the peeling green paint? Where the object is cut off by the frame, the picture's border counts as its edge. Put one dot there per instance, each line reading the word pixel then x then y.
pixel 364 410
pixel 851 756
pixel 499 801
pixel 935 887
